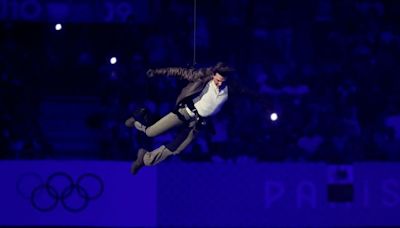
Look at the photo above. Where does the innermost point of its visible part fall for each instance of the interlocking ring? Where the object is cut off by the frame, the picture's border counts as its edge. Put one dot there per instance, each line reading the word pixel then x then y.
pixel 60 186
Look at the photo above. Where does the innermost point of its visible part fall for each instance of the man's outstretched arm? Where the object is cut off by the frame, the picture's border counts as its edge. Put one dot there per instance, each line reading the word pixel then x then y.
pixel 184 73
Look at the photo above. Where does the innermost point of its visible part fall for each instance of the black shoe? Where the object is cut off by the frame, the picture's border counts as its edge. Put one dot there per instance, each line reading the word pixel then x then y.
pixel 138 163
pixel 141 115
pixel 130 122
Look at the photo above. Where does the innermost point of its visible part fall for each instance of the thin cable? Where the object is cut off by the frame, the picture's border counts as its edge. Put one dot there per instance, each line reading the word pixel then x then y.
pixel 194 31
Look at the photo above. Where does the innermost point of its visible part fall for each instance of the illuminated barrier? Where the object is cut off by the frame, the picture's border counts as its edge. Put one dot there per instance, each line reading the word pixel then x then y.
pixel 279 195
pixel 177 194
pixel 75 193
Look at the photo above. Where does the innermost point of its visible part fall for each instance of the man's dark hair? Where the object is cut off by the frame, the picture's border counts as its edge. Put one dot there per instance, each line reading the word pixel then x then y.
pixel 223 69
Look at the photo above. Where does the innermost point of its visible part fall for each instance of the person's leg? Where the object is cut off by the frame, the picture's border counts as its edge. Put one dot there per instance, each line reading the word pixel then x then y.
pixel 175 147
pixel 165 123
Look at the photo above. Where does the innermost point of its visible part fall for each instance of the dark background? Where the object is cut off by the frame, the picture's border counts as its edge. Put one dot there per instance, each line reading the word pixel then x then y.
pixel 328 68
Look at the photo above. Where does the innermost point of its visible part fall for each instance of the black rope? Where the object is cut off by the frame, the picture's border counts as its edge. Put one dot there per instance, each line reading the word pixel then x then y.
pixel 194 31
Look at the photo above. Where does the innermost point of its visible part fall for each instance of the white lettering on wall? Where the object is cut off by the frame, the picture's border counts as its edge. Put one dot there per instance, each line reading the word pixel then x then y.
pixel 365 191
pixel 391 190
pixel 306 195
pixel 273 192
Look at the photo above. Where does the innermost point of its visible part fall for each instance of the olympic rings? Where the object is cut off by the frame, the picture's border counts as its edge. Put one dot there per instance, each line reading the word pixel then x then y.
pixel 60 186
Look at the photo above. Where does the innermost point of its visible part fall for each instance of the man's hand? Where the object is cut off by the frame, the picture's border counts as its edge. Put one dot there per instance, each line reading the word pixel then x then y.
pixel 150 73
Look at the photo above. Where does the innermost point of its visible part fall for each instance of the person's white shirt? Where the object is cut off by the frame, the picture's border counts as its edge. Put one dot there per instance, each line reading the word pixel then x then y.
pixel 210 100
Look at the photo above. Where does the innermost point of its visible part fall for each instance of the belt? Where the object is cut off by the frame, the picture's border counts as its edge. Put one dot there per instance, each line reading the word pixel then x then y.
pixel 201 120
pixel 190 105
